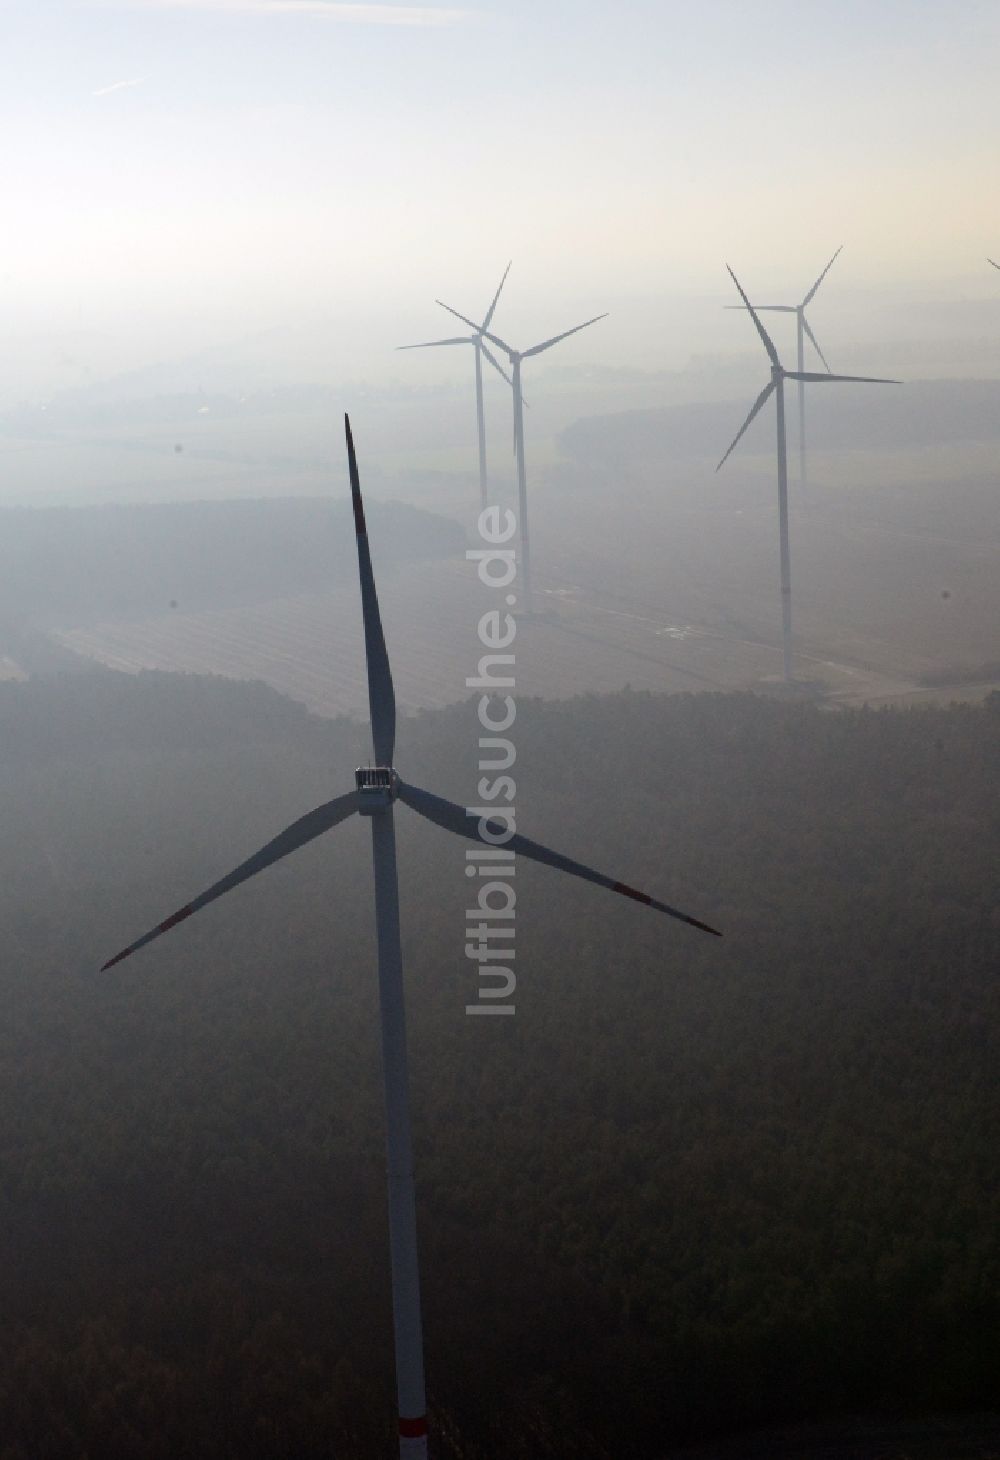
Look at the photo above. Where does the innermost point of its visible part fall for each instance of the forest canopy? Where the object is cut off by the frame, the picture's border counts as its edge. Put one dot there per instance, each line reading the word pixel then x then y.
pixel 691 1187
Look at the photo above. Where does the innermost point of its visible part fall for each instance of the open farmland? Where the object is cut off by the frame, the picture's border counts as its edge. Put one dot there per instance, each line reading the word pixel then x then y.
pixel 310 646
pixel 651 571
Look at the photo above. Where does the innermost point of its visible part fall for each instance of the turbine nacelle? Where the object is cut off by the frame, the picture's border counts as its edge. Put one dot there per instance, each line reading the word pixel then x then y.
pixel 478 341
pixel 515 358
pixel 776 387
pixel 799 310
pixel 377 787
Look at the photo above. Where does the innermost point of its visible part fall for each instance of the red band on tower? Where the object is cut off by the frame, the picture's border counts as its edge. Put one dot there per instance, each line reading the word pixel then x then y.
pixel 413 1429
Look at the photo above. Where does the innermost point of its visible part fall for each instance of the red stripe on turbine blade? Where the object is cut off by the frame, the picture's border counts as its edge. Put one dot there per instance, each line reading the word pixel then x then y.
pixel 627 891
pixel 175 918
pixel 413 1429
pixel 172 921
pixel 705 927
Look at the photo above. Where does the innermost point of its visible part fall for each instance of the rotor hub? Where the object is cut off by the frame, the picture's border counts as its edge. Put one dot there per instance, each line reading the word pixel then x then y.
pixel 377 786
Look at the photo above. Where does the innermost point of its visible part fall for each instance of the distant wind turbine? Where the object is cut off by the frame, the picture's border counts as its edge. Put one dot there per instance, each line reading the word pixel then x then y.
pixel 777 385
pixel 515 357
pixel 377 788
pixel 802 329
pixel 476 340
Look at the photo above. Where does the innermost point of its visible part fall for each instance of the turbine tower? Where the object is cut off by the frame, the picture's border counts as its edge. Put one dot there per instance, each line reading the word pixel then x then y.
pixel 515 357
pixel 777 385
pixel 801 330
pixel 476 340
pixel 377 788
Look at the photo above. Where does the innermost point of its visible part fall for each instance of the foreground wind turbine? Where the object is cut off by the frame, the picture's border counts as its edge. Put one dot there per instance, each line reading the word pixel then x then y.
pixel 801 329
pixel 515 357
pixel 777 384
pixel 476 340
pixel 377 788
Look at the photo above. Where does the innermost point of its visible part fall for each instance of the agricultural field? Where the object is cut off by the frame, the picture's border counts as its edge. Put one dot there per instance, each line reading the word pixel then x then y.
pixel 309 646
pixel 650 569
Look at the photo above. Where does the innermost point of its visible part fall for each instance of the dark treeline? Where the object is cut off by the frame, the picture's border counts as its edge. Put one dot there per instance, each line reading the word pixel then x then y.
pixel 691 1187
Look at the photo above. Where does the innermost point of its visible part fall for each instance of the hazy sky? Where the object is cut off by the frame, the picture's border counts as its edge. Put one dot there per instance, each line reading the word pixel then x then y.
pixel 180 170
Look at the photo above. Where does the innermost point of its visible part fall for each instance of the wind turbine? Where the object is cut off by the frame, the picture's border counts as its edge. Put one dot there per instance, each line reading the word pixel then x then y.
pixel 801 330
pixel 777 385
pixel 476 340
pixel 377 788
pixel 993 262
pixel 515 357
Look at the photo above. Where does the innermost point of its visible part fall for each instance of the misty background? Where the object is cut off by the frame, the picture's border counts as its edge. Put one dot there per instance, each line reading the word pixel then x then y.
pixel 227 214
pixel 691 1191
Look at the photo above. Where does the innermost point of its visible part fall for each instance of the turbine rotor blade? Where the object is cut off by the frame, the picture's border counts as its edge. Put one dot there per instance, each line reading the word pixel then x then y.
pixel 489 312
pixel 815 341
pixel 500 370
pixel 470 322
pixel 822 276
pixel 765 337
pixel 500 344
pixel 818 379
pixel 429 344
pixel 993 262
pixel 456 819
pixel 547 344
pixel 757 405
pixel 308 827
pixel 495 363
pixel 766 308
pixel 483 334
pixel 381 696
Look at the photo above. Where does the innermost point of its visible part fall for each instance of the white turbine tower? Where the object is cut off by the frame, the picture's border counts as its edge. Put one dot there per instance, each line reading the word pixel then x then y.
pixel 476 340
pixel 801 330
pixel 777 385
pixel 515 357
pixel 377 788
